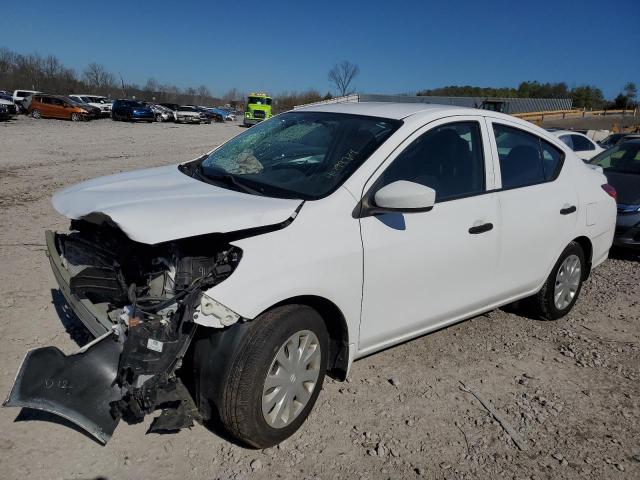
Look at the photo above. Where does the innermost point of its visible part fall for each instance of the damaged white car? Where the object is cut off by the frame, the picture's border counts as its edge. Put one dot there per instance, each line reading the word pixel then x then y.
pixel 312 239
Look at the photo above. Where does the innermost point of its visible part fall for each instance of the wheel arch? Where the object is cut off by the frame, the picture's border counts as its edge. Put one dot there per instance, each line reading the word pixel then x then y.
pixel 587 248
pixel 334 320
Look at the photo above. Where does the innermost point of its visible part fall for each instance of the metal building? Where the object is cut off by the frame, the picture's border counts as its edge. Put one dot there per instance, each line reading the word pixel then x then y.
pixel 501 104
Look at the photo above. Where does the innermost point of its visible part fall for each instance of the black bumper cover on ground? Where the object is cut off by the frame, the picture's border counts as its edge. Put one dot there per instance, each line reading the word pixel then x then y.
pixel 77 387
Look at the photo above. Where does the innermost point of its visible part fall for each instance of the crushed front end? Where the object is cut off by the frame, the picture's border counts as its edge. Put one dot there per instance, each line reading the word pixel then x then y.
pixel 140 301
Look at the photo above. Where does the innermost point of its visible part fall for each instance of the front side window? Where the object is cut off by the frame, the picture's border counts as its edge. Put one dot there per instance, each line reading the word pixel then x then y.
pixel 581 144
pixel 447 158
pixel 303 155
pixel 525 159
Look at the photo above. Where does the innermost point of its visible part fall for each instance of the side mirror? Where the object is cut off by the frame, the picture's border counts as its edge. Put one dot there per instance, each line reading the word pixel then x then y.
pixel 400 196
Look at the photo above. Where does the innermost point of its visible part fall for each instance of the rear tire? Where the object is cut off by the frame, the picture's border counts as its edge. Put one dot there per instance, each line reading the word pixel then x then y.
pixel 158 118
pixel 560 292
pixel 286 347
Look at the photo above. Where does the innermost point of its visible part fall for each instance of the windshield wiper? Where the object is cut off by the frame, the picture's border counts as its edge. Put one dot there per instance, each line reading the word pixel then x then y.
pixel 228 179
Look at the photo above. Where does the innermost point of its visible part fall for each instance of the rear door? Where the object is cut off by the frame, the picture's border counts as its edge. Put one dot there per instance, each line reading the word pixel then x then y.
pixel 538 205
pixel 422 270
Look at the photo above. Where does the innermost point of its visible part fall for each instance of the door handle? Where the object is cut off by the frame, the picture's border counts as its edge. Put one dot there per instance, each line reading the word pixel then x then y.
pixel 568 210
pixel 476 229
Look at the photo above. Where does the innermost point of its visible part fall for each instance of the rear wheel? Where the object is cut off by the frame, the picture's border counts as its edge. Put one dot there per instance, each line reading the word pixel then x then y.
pixel 35 113
pixel 275 376
pixel 562 288
pixel 158 117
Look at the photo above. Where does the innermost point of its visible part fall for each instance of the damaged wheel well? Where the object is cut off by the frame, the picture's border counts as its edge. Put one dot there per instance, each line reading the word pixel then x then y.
pixel 336 327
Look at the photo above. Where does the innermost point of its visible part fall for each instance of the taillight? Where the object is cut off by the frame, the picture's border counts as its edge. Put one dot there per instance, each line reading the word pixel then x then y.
pixel 611 191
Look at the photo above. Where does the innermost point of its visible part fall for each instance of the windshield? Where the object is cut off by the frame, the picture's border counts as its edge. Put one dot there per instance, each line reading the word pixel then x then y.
pixel 303 155
pixel 623 158
pixel 611 139
pixel 259 101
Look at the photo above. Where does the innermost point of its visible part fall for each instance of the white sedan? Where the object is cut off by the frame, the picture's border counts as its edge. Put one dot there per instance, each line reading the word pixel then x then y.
pixel 306 242
pixel 584 147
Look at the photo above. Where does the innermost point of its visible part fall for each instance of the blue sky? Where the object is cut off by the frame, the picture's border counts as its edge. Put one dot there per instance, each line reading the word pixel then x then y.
pixel 400 46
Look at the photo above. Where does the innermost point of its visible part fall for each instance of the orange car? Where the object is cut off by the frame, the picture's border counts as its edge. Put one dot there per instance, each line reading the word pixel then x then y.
pixel 53 106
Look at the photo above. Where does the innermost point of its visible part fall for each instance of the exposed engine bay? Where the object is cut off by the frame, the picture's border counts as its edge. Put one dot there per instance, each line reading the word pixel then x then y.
pixel 141 302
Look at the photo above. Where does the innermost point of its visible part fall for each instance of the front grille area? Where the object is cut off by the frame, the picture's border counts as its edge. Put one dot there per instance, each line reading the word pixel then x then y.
pixel 258 114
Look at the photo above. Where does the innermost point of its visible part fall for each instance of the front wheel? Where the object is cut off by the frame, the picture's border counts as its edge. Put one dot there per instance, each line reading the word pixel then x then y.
pixel 158 118
pixel 562 288
pixel 35 113
pixel 76 117
pixel 275 376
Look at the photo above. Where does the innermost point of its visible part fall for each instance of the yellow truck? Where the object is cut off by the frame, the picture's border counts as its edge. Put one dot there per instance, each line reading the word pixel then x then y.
pixel 258 108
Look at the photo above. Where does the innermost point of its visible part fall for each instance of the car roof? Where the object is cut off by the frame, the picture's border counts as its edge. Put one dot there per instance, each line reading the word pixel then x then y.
pixel 557 133
pixel 396 111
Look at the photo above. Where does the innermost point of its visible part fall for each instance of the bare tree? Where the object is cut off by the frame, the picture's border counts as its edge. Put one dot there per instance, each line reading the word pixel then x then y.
pixel 341 76
pixel 97 76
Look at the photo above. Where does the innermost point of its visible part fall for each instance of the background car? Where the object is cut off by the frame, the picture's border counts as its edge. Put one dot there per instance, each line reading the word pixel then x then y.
pixel 102 103
pixel 94 112
pixel 621 165
pixel 615 138
pixel 206 114
pixel 22 98
pixel 4 112
pixel 584 147
pixel 131 111
pixel 54 106
pixel 7 102
pixel 185 114
pixel 162 114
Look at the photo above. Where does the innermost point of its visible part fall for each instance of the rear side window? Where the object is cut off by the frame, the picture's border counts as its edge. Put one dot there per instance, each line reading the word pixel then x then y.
pixel 581 144
pixel 525 159
pixel 448 159
pixel 566 139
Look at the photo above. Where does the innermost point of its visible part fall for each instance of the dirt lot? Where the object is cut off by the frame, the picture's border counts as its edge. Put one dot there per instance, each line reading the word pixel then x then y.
pixel 570 388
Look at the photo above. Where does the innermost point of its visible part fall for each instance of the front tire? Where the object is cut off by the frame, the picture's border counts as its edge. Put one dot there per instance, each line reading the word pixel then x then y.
pixel 76 117
pixel 275 376
pixel 562 288
pixel 35 113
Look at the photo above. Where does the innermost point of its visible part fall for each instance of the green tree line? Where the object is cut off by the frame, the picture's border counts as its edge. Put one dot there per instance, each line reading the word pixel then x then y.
pixel 583 96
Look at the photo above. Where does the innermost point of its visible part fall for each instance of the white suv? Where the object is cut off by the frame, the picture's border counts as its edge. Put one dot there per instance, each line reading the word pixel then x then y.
pixel 103 103
pixel 308 241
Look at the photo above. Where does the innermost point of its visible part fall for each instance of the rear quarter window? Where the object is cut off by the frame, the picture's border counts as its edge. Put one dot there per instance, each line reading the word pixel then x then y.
pixel 525 158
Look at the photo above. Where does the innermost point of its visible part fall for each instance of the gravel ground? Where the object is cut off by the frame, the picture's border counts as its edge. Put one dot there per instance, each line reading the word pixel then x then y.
pixel 569 388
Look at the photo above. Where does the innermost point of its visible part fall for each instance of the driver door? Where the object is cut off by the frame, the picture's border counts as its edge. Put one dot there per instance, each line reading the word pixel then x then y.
pixel 424 270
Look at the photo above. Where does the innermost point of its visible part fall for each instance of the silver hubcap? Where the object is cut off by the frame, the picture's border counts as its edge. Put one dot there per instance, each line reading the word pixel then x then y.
pixel 291 379
pixel 567 281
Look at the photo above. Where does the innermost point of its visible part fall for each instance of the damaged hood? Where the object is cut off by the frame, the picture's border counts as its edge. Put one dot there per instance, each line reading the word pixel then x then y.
pixel 157 205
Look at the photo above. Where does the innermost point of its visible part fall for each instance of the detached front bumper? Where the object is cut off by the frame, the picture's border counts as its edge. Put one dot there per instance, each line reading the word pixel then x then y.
pixel 91 315
pixel 78 387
